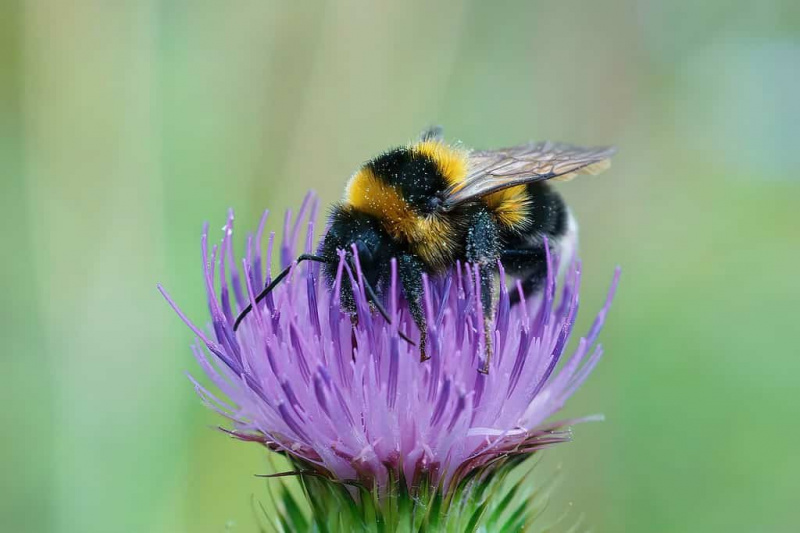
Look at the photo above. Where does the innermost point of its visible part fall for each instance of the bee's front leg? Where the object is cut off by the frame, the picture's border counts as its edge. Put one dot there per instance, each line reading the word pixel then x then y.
pixel 410 270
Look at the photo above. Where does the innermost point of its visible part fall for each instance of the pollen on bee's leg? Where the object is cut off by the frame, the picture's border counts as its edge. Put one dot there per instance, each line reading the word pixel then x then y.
pixel 423 337
pixel 487 356
pixel 426 314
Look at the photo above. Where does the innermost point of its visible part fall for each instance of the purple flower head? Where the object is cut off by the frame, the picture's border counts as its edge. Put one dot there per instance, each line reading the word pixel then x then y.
pixel 351 400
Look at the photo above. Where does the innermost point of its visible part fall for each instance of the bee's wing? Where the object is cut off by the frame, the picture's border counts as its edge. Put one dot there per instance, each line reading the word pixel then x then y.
pixel 494 170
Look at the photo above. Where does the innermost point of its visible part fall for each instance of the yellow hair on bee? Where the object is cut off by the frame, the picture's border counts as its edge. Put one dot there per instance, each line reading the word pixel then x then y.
pixel 430 236
pixel 368 194
pixel 435 244
pixel 452 162
pixel 510 206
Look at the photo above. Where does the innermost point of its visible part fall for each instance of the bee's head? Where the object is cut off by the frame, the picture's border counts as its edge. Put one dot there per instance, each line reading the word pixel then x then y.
pixel 360 236
pixel 354 232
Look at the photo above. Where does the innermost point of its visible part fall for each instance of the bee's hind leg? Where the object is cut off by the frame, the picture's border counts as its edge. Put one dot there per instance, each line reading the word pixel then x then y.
pixel 483 251
pixel 487 306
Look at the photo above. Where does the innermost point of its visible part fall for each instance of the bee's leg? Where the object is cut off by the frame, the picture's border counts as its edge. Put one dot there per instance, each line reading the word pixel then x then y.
pixel 483 251
pixel 530 264
pixel 348 303
pixel 487 303
pixel 410 269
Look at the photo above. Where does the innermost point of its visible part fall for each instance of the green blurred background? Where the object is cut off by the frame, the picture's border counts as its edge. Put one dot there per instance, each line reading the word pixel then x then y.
pixel 125 125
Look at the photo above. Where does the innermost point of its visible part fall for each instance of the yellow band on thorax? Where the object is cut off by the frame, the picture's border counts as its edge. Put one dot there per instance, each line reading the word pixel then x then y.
pixel 428 236
pixel 452 162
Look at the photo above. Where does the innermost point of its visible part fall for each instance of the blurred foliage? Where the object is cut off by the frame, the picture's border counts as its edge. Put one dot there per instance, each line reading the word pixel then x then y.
pixel 125 125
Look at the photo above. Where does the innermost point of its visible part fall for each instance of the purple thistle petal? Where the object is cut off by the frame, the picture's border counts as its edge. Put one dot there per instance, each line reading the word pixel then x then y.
pixel 441 403
pixel 391 389
pixel 372 411
pixel 257 268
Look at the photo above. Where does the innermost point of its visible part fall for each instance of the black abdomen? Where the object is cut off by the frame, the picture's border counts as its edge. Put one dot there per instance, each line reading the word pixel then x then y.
pixel 524 254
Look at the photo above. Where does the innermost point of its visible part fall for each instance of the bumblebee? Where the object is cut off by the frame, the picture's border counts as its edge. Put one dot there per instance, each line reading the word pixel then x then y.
pixel 430 204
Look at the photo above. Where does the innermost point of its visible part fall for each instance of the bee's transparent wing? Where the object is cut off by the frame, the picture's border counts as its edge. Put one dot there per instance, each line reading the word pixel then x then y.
pixel 494 170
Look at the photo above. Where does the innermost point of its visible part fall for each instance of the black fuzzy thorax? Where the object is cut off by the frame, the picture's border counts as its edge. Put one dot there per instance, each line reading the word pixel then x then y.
pixel 415 176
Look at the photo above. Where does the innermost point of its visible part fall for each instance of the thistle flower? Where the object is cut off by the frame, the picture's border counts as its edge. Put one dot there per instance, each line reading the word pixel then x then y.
pixel 368 426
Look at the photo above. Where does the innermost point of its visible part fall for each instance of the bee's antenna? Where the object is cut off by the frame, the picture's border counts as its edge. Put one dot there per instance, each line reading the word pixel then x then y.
pixel 274 283
pixel 318 259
